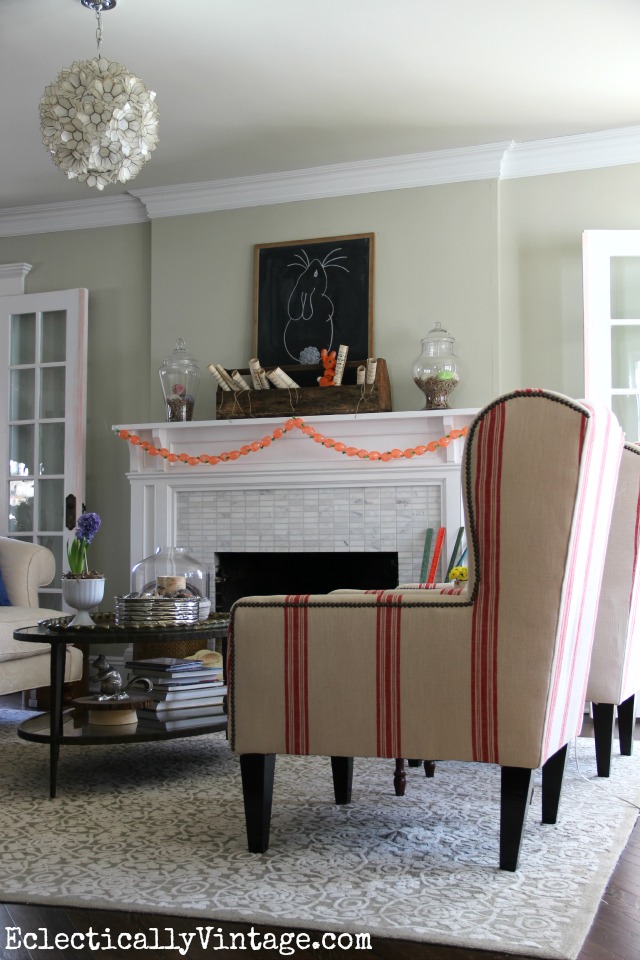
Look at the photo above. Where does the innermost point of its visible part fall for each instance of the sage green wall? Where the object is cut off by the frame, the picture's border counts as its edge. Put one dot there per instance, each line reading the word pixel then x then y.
pixel 435 259
pixel 113 263
pixel 541 311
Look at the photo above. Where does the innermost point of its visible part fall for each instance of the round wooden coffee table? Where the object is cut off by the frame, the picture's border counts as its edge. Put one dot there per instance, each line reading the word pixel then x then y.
pixel 61 726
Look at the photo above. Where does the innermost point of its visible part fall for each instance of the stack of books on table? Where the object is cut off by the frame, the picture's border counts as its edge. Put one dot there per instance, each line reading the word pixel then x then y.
pixel 185 693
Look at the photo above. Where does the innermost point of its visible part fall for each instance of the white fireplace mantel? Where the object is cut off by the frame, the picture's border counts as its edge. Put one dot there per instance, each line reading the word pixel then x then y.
pixel 171 503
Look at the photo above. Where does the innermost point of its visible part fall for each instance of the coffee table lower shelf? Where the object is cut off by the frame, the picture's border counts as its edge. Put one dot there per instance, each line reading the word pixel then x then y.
pixel 76 730
pixel 61 726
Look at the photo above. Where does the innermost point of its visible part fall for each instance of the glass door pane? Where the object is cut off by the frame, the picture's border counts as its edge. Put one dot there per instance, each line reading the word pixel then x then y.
pixel 21 498
pixel 50 504
pixel 625 288
pixel 23 339
pixel 625 358
pixel 21 458
pixel 22 402
pixel 54 328
pixel 627 410
pixel 52 393
pixel 51 449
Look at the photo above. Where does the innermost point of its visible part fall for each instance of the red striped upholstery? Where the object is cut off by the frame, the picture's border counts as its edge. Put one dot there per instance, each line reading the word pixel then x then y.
pixel 388 683
pixel 296 695
pixel 494 672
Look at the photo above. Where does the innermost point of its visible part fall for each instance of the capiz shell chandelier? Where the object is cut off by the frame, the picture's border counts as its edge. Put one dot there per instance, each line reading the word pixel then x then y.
pixel 99 122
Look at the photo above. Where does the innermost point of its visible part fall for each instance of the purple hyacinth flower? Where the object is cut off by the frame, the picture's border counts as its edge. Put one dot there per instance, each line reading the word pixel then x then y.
pixel 88 526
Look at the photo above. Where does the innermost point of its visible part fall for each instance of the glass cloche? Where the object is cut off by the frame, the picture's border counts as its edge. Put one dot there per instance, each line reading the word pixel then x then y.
pixel 437 370
pixel 180 376
pixel 171 570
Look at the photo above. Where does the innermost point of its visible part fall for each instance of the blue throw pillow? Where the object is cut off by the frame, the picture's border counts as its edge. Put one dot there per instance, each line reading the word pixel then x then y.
pixel 4 599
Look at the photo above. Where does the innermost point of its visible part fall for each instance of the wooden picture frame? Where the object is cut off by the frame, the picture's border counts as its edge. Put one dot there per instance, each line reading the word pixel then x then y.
pixel 310 294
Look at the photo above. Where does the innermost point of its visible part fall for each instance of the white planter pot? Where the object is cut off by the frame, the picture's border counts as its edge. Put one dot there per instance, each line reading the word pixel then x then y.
pixel 82 595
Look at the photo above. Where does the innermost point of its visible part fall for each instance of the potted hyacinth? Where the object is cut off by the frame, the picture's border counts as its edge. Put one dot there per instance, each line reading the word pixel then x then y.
pixel 82 589
pixel 86 529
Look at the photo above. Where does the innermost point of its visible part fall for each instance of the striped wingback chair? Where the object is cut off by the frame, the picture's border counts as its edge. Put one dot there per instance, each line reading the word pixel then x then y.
pixel 614 675
pixel 496 674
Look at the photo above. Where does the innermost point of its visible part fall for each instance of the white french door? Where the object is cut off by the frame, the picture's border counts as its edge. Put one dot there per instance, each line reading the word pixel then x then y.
pixel 42 420
pixel 611 278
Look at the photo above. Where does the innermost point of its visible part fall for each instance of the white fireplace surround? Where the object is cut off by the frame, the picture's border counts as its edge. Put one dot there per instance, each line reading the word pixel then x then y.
pixel 296 495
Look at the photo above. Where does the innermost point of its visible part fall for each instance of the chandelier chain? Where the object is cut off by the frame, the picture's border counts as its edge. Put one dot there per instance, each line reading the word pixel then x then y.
pixel 98 29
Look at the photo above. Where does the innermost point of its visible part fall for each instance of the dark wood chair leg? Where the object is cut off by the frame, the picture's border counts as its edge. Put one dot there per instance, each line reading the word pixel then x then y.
pixel 429 766
pixel 342 770
pixel 626 723
pixel 552 776
pixel 399 777
pixel 515 797
pixel 603 731
pixel 257 770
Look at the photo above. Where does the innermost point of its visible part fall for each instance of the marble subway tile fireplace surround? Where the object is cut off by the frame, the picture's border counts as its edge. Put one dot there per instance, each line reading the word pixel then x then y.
pixel 295 495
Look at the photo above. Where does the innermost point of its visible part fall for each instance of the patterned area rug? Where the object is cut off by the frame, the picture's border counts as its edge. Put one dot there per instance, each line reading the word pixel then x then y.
pixel 160 828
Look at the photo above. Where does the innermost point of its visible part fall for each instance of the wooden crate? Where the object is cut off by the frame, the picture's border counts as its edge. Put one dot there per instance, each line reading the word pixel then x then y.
pixel 309 400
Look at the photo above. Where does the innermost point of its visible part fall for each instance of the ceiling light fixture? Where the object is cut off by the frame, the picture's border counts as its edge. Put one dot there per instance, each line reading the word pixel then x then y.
pixel 99 122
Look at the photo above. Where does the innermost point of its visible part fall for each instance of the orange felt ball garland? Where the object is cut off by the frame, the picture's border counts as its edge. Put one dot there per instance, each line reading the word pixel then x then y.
pixel 279 432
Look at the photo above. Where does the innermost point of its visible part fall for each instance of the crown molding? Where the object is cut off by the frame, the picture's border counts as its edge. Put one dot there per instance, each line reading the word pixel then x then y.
pixel 584 151
pixel 499 161
pixel 313 183
pixel 76 215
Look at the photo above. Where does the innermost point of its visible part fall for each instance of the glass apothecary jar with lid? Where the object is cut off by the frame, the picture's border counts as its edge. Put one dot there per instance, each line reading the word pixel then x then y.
pixel 437 370
pixel 180 376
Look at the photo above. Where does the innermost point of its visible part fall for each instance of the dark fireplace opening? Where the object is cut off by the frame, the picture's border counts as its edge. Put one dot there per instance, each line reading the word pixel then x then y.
pixel 262 574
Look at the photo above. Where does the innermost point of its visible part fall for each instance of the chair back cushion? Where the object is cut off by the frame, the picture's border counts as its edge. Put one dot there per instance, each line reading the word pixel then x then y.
pixel 614 674
pixel 540 475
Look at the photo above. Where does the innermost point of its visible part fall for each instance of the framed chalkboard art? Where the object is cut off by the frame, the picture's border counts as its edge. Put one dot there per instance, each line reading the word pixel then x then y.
pixel 313 294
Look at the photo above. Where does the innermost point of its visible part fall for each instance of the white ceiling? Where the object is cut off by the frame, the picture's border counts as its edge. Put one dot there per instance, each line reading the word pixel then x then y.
pixel 247 87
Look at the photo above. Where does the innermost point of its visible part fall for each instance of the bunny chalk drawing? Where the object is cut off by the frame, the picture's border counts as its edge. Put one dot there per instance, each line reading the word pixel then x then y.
pixel 310 309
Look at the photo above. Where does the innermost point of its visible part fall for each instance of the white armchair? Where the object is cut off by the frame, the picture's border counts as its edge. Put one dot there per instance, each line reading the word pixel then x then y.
pixel 26 666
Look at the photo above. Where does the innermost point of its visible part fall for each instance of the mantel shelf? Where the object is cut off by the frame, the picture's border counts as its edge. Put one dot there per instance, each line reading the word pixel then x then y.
pixel 381 431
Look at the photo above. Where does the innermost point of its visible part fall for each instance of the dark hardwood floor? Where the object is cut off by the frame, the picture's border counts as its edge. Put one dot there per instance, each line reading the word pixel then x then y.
pixel 615 934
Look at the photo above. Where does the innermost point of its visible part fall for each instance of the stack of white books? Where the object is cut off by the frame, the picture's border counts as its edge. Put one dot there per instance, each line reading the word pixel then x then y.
pixel 185 693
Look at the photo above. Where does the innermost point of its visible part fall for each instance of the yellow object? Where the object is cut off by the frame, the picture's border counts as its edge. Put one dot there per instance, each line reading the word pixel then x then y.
pixel 459 573
pixel 210 658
